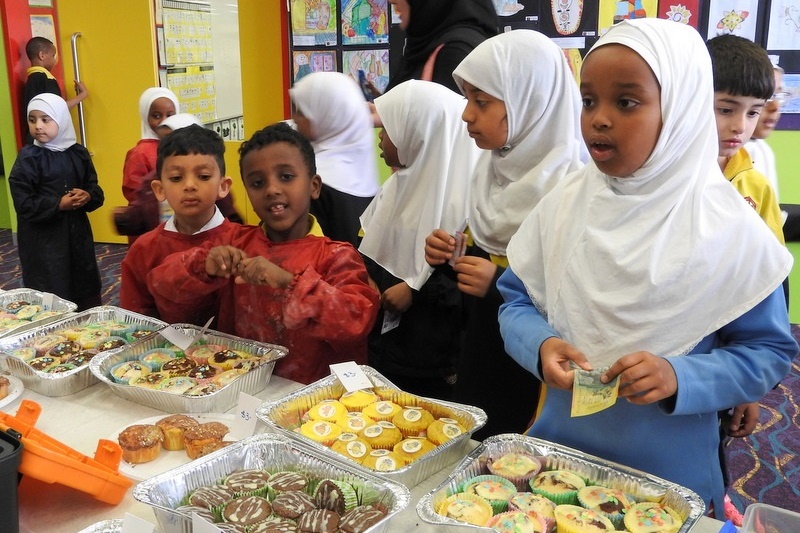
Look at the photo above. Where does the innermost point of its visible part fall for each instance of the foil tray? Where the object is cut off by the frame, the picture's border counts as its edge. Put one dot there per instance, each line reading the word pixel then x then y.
pixel 72 381
pixel 65 307
pixel 106 526
pixel 283 416
pixel 640 485
pixel 216 402
pixel 270 452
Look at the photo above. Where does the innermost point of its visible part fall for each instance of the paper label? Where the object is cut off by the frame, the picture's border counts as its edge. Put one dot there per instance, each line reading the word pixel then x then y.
pixel 177 337
pixel 244 423
pixel 134 524
pixel 351 376
pixel 590 395
pixel 47 300
pixel 201 525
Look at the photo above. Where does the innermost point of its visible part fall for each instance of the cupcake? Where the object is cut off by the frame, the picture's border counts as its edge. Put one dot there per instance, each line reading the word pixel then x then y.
pixel 26 353
pixel 249 482
pixel 287 481
pixel 121 330
pixel 576 519
pixel 138 333
pixel 494 489
pixel 355 422
pixel 44 362
pixel 351 446
pixel 140 443
pixel 528 501
pixel 466 508
pixel 335 495
pixel 28 312
pixel 123 373
pixel 517 522
pixel 360 519
pixel 518 468
pixel 319 521
pixel 560 486
pixel 203 372
pixel 109 343
pixel 652 517
pixel 226 377
pixel 60 369
pixel 202 352
pixel 225 359
pixel 292 504
pixel 357 400
pixel 179 366
pixel 92 338
pixel 274 524
pixel 173 427
pixel 64 349
pixel 382 410
pixel 444 429
pixel 201 389
pixel 320 431
pixel 176 384
pixel 382 435
pixel 15 306
pixel 81 358
pixel 213 498
pixel 383 461
pixel 412 421
pixel 329 410
pixel 203 439
pixel 412 448
pixel 151 380
pixel 43 344
pixel 154 359
pixel 75 333
pixel 612 503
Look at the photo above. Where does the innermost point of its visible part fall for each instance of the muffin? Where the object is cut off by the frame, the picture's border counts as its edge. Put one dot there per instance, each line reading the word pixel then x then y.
pixel 109 343
pixel 335 495
pixel 64 349
pixel 92 338
pixel 444 429
pixel 412 421
pixel 320 431
pixel 173 428
pixel 60 368
pixel 287 481
pixel 28 312
pixel 652 517
pixel 560 486
pixel 213 498
pixel 382 435
pixel 274 524
pixel 151 380
pixel 383 461
pixel 246 511
pixel 154 359
pixel 140 443
pixel 43 343
pixel 518 468
pixel 202 389
pixel 351 446
pixel 612 503
pixel 576 519
pixel 81 358
pixel 202 439
pixel 5 385
pixel 355 422
pixel 123 373
pixel 178 366
pixel 357 400
pixel 328 410
pixel 44 362
pixel 26 353
pixel 517 522
pixel 14 306
pixel 382 410
pixel 292 504
pixel 249 482
pixel 466 508
pixel 203 372
pixel 225 359
pixel 412 448
pixel 494 489
pixel 361 518
pixel 226 377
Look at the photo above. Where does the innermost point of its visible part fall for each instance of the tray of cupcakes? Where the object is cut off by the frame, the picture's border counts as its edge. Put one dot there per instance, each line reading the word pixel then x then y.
pixel 396 434
pixel 53 359
pixel 23 309
pixel 205 377
pixel 267 482
pixel 515 481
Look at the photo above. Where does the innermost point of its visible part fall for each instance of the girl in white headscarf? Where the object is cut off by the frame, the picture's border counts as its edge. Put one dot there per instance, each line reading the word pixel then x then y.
pixel 54 184
pixel 647 263
pixel 155 104
pixel 424 137
pixel 331 112
pixel 523 109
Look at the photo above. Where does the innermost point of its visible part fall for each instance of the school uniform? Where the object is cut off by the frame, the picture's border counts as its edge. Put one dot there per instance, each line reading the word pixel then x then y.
pixel 756 189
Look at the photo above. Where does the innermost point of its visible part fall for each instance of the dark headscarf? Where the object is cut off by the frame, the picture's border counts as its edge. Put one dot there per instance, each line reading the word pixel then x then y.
pixel 433 22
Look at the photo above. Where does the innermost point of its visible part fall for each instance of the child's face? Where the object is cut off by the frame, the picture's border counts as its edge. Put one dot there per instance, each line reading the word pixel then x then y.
pixel 303 124
pixel 280 188
pixel 191 184
pixel 486 118
pixel 49 59
pixel 163 131
pixel 621 117
pixel 737 117
pixel 42 127
pixel 772 111
pixel 160 109
pixel 388 150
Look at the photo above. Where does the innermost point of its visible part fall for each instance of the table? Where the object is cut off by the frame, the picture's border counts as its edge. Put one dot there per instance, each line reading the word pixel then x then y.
pixel 81 419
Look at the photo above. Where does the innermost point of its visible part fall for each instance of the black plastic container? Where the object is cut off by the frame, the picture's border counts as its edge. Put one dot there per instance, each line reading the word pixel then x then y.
pixel 10 457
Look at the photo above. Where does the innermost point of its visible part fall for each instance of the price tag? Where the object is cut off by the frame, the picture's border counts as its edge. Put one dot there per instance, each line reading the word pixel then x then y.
pixel 177 337
pixel 47 300
pixel 244 422
pixel 134 524
pixel 351 376
pixel 201 525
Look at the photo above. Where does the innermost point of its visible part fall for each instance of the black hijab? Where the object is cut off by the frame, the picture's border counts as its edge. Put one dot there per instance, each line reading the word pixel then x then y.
pixel 434 22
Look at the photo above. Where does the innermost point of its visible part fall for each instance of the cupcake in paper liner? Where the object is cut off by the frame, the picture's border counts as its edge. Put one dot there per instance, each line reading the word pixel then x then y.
pixel 517 467
pixel 531 502
pixel 412 421
pixel 560 486
pixel 108 343
pixel 351 446
pixel 249 482
pixel 355 422
pixel 122 330
pixel 383 461
pixel 576 519
pixel 517 522
pixel 494 489
pixel 213 498
pixel 412 448
pixel 382 435
pixel 652 517
pixel 154 359
pixel 444 430
pixel 286 481
pixel 357 400
pixel 335 495
pixel 612 503
pixel 382 410
pixel 321 431
pixel 328 410
pixel 466 508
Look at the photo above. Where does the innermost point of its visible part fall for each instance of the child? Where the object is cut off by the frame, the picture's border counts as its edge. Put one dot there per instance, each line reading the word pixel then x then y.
pixel 282 281
pixel 54 184
pixel 424 138
pixel 190 177
pixel 531 140
pixel 760 152
pixel 155 104
pixel 330 111
pixel 629 265
pixel 43 56
pixel 743 81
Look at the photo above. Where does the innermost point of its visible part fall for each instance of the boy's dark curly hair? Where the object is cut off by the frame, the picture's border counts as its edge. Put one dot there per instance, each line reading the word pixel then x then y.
pixel 741 67
pixel 190 140
pixel 275 133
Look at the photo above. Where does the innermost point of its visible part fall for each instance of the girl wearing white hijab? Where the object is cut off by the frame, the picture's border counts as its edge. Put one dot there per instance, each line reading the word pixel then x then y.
pixel 430 189
pixel 155 104
pixel 534 142
pixel 331 112
pixel 53 185
pixel 648 263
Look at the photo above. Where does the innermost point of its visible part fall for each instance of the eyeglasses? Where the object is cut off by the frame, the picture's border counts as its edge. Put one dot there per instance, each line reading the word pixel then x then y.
pixel 780 98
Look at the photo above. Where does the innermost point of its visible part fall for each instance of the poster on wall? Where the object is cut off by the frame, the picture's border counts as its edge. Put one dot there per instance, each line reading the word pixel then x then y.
pixel 374 63
pixel 512 15
pixel 313 23
pixel 683 11
pixel 569 18
pixel 187 34
pixel 365 22
pixel 614 11
pixel 43 26
pixel 784 25
pixel 307 61
pixel 739 17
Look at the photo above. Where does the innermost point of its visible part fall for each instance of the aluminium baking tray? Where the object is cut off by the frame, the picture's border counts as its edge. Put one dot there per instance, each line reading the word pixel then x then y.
pixel 270 452
pixel 640 485
pixel 72 381
pixel 216 402
pixel 60 305
pixel 283 416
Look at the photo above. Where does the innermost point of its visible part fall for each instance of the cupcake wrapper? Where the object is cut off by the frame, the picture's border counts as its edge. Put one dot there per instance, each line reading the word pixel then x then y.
pixel 564 498
pixel 498 505
pixel 521 482
pixel 442 508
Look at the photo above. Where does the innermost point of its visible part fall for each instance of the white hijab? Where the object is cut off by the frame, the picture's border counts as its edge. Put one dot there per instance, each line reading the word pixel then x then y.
pixel 344 143
pixel 56 108
pixel 423 119
pixel 180 120
pixel 658 260
pixel 146 100
pixel 528 72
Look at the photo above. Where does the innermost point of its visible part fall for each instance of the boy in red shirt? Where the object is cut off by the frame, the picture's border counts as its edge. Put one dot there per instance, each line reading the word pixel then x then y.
pixel 282 281
pixel 190 177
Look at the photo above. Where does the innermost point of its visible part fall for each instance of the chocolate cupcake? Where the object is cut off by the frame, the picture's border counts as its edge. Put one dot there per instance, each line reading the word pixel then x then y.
pixel 213 498
pixel 286 481
pixel 275 524
pixel 292 504
pixel 179 366
pixel 360 519
pixel 334 495
pixel 81 358
pixel 319 521
pixel 247 510
pixel 249 482
pixel 64 349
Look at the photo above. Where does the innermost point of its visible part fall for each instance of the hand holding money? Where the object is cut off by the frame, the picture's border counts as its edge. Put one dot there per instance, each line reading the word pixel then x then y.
pixel 557 358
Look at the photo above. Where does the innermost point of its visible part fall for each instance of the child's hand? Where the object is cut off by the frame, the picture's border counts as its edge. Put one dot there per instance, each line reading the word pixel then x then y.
pixel 742 421
pixel 223 261
pixel 475 275
pixel 644 378
pixel 439 247
pixel 74 199
pixel 397 299
pixel 259 271
pixel 80 89
pixel 555 355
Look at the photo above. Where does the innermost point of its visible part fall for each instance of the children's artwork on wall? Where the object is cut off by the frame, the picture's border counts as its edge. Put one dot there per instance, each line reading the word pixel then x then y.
pixel 568 18
pixel 313 22
pixel 784 25
pixel 615 11
pixel 739 17
pixel 365 21
pixel 683 11
pixel 506 8
pixel 43 26
pixel 308 61
pixel 374 63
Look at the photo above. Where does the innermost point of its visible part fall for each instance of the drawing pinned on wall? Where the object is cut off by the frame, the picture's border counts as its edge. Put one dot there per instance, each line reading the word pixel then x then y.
pixel 506 8
pixel 615 11
pixel 308 61
pixel 313 23
pixel 43 26
pixel 685 12
pixel 566 15
pixel 374 63
pixel 241 128
pixel 784 25
pixel 365 21
pixel 737 18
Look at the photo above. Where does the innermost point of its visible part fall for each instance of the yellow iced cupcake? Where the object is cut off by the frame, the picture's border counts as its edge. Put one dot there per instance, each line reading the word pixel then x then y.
pixel 466 508
pixel 494 489
pixel 518 468
pixel 612 503
pixel 328 410
pixel 412 448
pixel 351 446
pixel 382 410
pixel 443 430
pixel 321 431
pixel 576 519
pixel 355 422
pixel 412 421
pixel 358 400
pixel 383 435
pixel 652 517
pixel 383 461
pixel 560 486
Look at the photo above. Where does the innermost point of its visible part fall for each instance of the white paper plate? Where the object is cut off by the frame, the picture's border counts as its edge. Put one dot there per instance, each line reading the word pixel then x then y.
pixel 166 459
pixel 15 388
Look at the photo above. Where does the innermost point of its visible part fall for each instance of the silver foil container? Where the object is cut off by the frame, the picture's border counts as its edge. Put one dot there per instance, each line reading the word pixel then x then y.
pixel 216 402
pixel 64 383
pixel 270 452
pixel 106 526
pixel 640 485
pixel 285 415
pixel 60 305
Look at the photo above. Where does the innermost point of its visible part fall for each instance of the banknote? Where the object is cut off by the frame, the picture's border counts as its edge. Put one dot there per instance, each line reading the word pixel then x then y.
pixel 590 395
